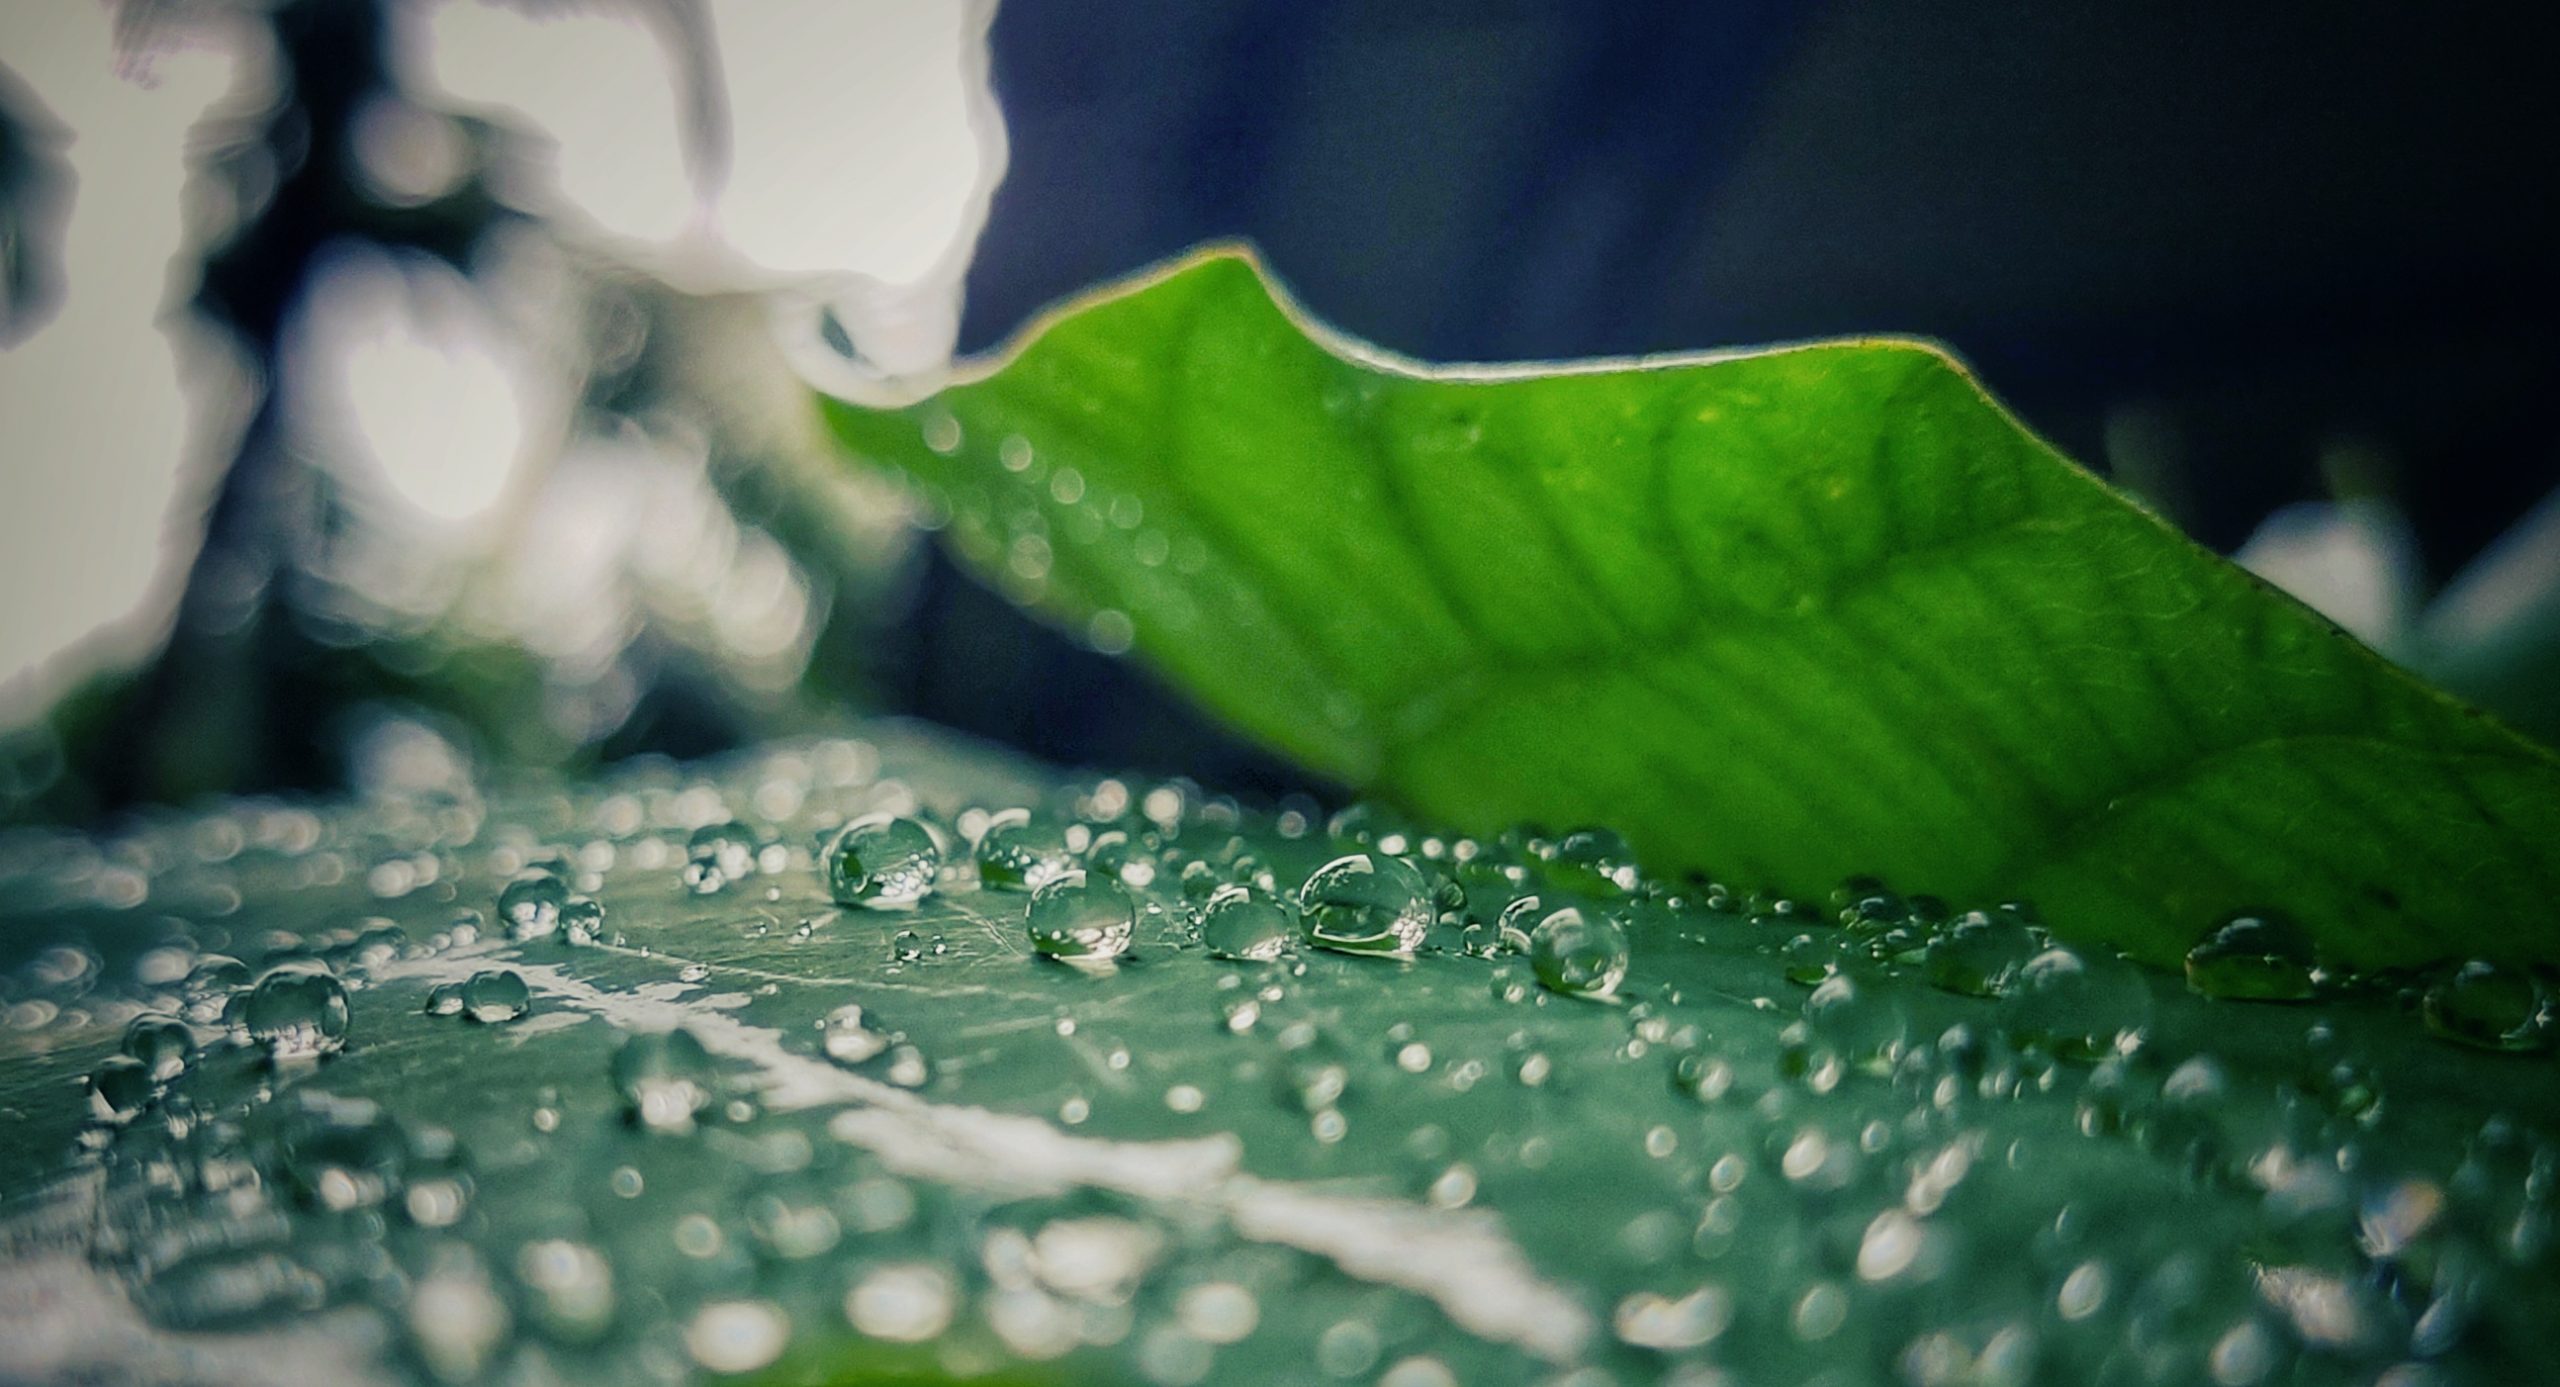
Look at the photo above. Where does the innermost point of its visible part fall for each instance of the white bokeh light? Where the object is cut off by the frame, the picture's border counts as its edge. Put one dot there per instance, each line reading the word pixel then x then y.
pixel 109 403
pixel 855 146
pixel 400 370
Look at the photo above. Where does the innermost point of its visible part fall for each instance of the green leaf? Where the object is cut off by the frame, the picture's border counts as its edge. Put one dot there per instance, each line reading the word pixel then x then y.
pixel 1373 1160
pixel 1782 615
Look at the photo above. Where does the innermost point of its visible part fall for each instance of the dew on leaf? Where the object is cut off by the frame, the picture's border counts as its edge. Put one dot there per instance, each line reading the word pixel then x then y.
pixel 119 1088
pixel 665 1079
pixel 882 861
pixel 2256 956
pixel 496 995
pixel 1579 953
pixel 297 1010
pixel 1081 917
pixel 2487 1005
pixel 1366 903
pixel 1018 851
pixel 162 1043
pixel 530 905
pixel 1242 924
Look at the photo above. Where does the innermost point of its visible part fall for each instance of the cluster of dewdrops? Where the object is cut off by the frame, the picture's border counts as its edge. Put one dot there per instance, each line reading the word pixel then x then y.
pixel 1549 898
pixel 1088 872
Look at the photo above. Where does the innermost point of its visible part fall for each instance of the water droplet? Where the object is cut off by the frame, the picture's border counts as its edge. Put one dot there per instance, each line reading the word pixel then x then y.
pixel 665 1079
pixel 1081 917
pixel 882 861
pixel 1980 954
pixel 162 1043
pixel 2256 956
pixel 341 1154
pixel 582 920
pixel 119 1089
pixel 298 1011
pixel 1245 925
pixel 2488 1005
pixel 571 1287
pixel 444 999
pixel 718 854
pixel 1018 852
pixel 1579 953
pixel 2080 1006
pixel 1366 903
pixel 496 995
pixel 740 1336
pixel 210 986
pixel 530 905
pixel 902 1303
pixel 849 1038
pixel 1595 861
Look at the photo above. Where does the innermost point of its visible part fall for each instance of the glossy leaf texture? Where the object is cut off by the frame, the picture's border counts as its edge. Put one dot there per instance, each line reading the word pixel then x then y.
pixel 1781 615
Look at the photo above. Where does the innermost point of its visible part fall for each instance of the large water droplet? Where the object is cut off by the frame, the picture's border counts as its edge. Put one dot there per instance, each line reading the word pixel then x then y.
pixel 1579 953
pixel 718 854
pixel 882 861
pixel 1018 852
pixel 1980 954
pixel 119 1089
pixel 2080 1006
pixel 2492 1006
pixel 495 996
pixel 1081 917
pixel 530 905
pixel 162 1043
pixel 298 1011
pixel 1243 924
pixel 1366 903
pixel 2257 956
pixel 665 1079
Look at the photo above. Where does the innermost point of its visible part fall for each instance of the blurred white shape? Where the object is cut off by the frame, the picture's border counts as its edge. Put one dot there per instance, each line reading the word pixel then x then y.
pixel 106 405
pixel 846 149
pixel 399 364
pixel 407 154
pixel 593 82
pixel 2513 587
pixel 2352 561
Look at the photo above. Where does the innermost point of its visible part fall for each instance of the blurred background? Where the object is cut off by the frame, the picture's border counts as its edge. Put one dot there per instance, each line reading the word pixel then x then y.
pixel 399 388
